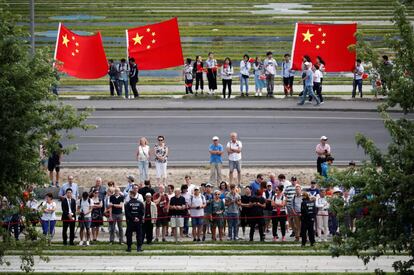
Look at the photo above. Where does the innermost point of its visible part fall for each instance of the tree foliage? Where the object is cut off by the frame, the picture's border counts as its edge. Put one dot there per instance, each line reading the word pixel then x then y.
pixel 30 115
pixel 384 208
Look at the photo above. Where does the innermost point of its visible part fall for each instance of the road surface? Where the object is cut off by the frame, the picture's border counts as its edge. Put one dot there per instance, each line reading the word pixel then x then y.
pixel 269 137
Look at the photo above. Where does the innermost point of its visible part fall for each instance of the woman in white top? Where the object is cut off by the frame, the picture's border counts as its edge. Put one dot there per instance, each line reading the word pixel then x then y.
pixel 259 76
pixel 322 217
pixel 279 213
pixel 226 75
pixel 48 219
pixel 244 74
pixel 143 155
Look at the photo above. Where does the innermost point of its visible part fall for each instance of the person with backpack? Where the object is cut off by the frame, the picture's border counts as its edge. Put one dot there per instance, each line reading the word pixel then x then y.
pixel 85 216
pixel 196 206
pixel 123 76
pixel 113 77
pixel 133 76
pixel 279 213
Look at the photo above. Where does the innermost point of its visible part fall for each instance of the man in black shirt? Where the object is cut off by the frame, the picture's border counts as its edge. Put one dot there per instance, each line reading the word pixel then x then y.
pixel 134 212
pixel 116 203
pixel 178 209
pixel 53 163
pixel 146 189
pixel 246 208
pixel 258 204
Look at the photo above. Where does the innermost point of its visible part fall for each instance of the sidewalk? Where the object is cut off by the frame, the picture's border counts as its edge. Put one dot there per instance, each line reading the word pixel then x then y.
pixel 184 264
pixel 180 88
pixel 251 103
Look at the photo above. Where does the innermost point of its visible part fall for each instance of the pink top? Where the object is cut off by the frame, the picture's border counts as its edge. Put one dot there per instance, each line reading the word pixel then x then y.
pixel 320 149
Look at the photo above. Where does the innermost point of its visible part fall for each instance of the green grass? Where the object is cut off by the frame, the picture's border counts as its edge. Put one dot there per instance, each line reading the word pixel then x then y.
pixel 201 273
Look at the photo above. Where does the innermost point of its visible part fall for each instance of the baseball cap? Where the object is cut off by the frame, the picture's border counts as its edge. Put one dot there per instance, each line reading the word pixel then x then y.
pixel 269 184
pixel 337 190
pixel 148 195
pixel 307 63
pixel 209 185
pixel 131 177
pixel 215 138
pixel 196 188
pixel 324 138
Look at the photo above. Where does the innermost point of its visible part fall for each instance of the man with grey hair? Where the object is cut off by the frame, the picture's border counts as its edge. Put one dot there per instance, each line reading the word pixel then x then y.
pixel 234 147
pixel 116 203
pixel 70 184
pixel 98 186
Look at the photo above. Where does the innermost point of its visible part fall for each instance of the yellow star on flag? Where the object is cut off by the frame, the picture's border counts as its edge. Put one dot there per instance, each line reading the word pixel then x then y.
pixel 148 47
pixel 323 41
pixel 153 33
pixel 137 39
pixel 307 36
pixel 320 29
pixel 148 30
pixel 153 41
pixel 317 46
pixel 65 40
pixel 324 34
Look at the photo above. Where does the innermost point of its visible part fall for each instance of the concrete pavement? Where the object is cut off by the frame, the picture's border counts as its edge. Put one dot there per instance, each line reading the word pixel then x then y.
pixel 184 264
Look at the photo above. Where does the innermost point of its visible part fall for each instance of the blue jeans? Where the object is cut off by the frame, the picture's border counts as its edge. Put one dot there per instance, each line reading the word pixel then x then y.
pixel 48 227
pixel 357 83
pixel 233 222
pixel 308 92
pixel 244 81
pixel 143 166
pixel 123 82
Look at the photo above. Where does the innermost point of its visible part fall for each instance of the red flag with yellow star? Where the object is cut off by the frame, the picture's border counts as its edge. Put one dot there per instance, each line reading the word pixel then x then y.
pixel 156 46
pixel 79 55
pixel 332 42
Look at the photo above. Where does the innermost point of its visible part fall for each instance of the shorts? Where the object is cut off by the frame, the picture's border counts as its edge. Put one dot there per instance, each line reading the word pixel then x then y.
pixel 53 165
pixel 235 165
pixel 161 169
pixel 162 221
pixel 207 220
pixel 177 221
pixel 218 220
pixel 85 223
pixel 196 221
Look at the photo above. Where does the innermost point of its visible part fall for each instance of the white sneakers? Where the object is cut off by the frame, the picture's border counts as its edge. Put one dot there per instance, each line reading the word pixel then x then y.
pixel 81 243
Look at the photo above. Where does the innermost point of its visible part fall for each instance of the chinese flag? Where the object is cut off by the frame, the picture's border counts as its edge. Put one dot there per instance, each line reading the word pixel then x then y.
pixel 331 42
pixel 156 46
pixel 79 55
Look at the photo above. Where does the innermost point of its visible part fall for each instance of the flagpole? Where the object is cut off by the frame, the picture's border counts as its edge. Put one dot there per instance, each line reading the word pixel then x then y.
pixel 293 45
pixel 127 43
pixel 57 43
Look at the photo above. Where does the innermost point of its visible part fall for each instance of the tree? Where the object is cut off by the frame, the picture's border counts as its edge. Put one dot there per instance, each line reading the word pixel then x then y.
pixel 383 207
pixel 30 115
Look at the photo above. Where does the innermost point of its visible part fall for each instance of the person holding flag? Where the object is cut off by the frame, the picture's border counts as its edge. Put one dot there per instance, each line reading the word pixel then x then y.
pixel 188 77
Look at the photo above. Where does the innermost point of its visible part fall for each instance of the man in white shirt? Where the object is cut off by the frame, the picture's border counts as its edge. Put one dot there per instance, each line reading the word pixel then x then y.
pixel 191 186
pixel 138 196
pixel 358 72
pixel 288 75
pixel 270 72
pixel 234 148
pixel 197 204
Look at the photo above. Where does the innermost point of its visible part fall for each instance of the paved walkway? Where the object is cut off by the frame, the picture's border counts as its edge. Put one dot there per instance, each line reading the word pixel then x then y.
pixel 205 264
pixel 217 104
pixel 180 88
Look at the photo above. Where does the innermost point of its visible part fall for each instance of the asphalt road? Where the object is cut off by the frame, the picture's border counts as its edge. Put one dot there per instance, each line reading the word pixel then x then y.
pixel 269 137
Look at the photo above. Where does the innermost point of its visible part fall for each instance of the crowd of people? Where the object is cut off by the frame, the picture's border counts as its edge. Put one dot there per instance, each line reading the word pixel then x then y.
pixel 263 70
pixel 270 205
